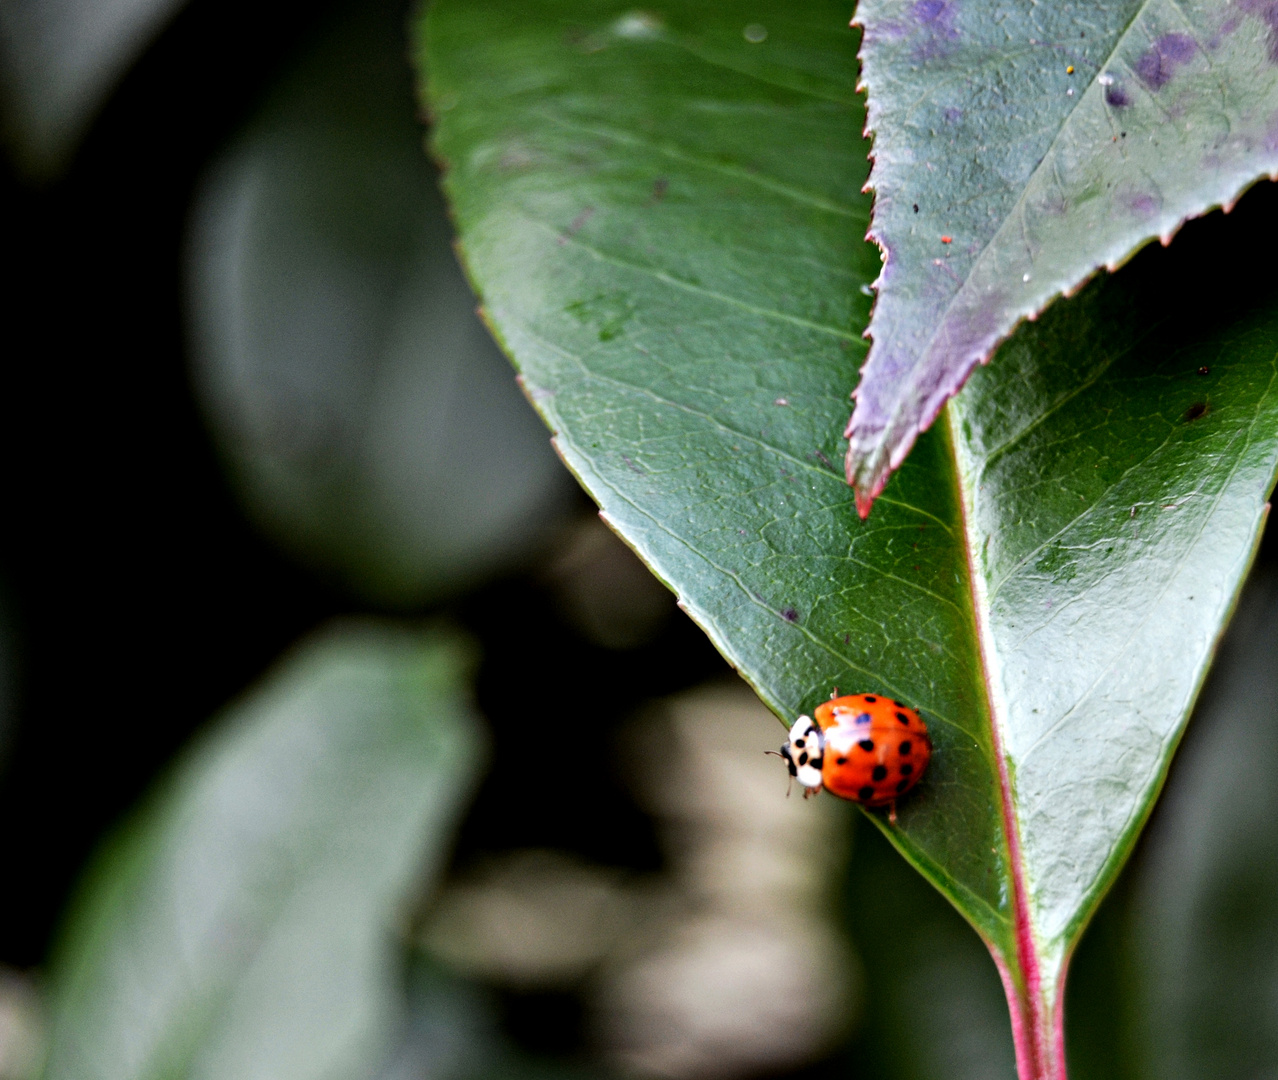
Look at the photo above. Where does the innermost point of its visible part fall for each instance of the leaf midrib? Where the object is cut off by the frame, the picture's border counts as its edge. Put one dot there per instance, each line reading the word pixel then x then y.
pixel 1024 956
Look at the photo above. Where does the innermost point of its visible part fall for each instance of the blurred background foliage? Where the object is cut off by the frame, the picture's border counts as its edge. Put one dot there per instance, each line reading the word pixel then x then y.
pixel 337 735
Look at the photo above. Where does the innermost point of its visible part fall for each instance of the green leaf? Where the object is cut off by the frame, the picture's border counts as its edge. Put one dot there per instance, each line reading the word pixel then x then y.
pixel 241 925
pixel 662 216
pixel 1016 150
pixel 367 419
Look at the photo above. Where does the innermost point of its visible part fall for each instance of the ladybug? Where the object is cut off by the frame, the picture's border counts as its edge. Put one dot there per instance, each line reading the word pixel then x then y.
pixel 863 747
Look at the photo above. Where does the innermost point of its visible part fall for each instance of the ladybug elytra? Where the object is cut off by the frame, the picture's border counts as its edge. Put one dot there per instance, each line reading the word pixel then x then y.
pixel 863 747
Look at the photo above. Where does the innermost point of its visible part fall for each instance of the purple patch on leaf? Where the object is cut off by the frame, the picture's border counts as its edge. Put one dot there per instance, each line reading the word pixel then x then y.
pixel 926 11
pixel 953 115
pixel 935 19
pixel 1117 97
pixel 1145 205
pixel 1158 64
pixel 1267 12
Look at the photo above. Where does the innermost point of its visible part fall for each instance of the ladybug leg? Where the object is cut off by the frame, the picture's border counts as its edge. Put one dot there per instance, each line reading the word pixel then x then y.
pixel 811 792
pixel 892 812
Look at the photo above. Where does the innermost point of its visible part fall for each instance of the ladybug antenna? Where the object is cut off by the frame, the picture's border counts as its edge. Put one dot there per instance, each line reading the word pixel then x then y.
pixel 834 693
pixel 790 781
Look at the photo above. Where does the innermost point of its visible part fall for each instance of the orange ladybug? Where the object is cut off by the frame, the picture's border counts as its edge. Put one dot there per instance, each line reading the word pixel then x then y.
pixel 863 747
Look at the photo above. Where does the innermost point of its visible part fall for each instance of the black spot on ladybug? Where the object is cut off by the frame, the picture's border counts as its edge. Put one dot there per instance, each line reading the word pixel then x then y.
pixel 1196 411
pixel 879 773
pixel 803 758
pixel 906 747
pixel 903 718
pixel 864 718
pixel 866 744
pixel 902 786
pixel 842 760
pixel 798 743
pixel 789 614
pixel 897 704
pixel 871 698
pixel 906 769
pixel 866 793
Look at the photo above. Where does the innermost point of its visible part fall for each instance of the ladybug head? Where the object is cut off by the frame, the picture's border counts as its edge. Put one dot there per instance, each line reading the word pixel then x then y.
pixel 803 753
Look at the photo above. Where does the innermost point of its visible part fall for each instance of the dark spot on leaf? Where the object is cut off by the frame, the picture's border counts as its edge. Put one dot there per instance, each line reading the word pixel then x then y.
pixel 879 773
pixel 1117 97
pixel 659 188
pixel 906 769
pixel 1157 65
pixel 916 208
pixel 1196 411
pixel 1204 370
pixel 906 747
pixel 902 786
pixel 866 793
pixel 866 744
pixel 789 614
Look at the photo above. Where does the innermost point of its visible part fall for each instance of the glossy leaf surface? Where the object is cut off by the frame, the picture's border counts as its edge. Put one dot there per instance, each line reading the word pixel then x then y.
pixel 663 218
pixel 1019 147
pixel 242 924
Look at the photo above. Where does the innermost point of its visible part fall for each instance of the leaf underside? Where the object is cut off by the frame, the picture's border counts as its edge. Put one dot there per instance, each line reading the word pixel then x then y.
pixel 663 214
pixel 1017 148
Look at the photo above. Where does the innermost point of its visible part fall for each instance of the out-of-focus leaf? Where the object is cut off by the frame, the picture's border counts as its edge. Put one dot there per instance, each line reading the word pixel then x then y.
pixel 370 422
pixel 241 926
pixel 59 59
pixel 1204 933
pixel 1018 147
pixel 661 215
